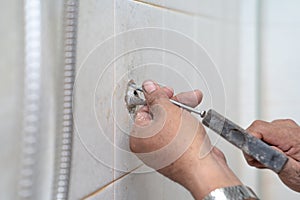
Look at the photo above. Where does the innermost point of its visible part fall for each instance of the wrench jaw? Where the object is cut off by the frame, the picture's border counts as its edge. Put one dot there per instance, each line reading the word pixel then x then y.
pixel 132 98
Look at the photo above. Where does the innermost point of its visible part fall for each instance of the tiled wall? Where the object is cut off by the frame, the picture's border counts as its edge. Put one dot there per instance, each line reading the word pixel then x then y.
pixel 123 40
pixel 251 72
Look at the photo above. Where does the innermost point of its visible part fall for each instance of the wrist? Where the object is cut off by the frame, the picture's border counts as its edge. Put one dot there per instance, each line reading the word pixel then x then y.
pixel 209 174
pixel 289 175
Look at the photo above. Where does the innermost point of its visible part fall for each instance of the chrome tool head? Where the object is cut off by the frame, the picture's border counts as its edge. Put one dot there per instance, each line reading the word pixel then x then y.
pixel 132 98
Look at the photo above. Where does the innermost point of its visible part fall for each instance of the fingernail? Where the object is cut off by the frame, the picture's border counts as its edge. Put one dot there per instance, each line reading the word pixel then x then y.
pixel 149 86
pixel 138 116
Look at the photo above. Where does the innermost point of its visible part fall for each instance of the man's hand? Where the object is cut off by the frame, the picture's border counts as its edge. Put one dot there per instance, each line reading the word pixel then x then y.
pixel 172 141
pixel 283 135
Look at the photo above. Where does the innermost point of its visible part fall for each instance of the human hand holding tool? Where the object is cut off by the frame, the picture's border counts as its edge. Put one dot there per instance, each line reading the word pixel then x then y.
pixel 284 136
pixel 249 144
pixel 170 140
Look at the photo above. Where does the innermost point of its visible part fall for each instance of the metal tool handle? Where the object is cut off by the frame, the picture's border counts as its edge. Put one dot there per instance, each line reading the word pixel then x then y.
pixel 249 144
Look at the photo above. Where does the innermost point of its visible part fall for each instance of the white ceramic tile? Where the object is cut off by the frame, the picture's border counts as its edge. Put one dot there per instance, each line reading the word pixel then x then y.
pixel 221 41
pixel 141 65
pixel 132 49
pixel 131 53
pixel 155 186
pixel 88 175
pixel 93 154
pixel 95 25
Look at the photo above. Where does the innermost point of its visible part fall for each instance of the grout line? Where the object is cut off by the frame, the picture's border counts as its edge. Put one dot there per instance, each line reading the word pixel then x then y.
pixel 174 9
pixel 110 183
pixel 114 106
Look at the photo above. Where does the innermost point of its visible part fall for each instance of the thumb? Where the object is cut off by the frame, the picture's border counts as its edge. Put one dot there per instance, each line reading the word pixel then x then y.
pixel 154 94
pixel 157 111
